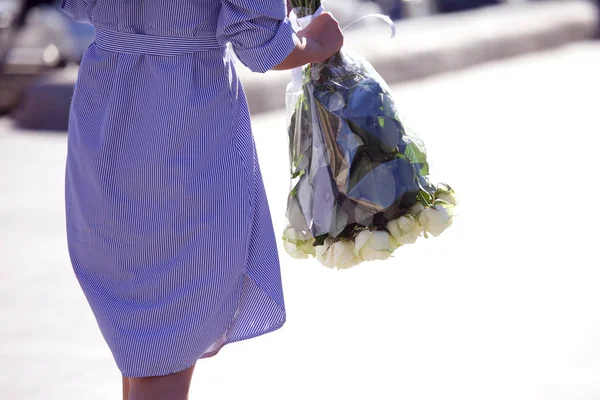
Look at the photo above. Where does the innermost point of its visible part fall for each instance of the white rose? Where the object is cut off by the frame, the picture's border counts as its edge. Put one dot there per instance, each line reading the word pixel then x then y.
pixel 298 244
pixel 436 219
pixel 404 230
pixel 294 250
pixel 338 254
pixel 292 235
pixel 308 247
pixel 322 249
pixel 373 245
pixel 417 208
pixel 447 196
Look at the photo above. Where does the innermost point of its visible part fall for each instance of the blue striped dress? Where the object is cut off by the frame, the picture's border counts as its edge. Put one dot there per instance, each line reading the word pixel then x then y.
pixel 168 225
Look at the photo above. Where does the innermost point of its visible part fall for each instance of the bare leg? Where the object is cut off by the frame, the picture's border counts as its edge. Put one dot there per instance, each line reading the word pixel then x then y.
pixel 125 388
pixel 170 387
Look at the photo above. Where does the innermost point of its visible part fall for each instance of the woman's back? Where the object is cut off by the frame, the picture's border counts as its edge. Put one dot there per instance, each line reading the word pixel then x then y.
pixel 152 17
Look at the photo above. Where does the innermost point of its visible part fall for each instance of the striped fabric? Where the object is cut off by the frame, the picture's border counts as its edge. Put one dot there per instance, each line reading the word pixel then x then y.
pixel 133 43
pixel 168 224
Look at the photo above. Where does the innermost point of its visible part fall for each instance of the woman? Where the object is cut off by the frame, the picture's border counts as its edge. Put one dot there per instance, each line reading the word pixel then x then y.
pixel 168 225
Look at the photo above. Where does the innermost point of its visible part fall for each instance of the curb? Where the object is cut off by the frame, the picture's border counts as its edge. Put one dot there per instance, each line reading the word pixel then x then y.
pixel 443 43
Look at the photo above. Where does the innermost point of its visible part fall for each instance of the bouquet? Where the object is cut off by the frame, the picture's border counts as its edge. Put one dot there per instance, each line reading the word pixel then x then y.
pixel 359 180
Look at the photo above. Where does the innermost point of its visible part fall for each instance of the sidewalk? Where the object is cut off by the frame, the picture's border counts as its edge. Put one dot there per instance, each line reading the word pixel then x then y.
pixel 422 47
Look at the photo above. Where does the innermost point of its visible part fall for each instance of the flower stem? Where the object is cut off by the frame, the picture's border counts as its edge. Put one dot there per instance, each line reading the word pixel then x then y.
pixel 311 5
pixel 422 199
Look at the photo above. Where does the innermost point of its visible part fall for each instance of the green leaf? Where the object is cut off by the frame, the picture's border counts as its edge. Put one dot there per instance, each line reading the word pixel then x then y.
pixel 298 174
pixel 425 198
pixel 415 154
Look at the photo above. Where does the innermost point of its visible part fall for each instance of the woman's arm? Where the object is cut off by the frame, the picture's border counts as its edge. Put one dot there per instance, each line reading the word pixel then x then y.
pixel 306 52
pixel 263 38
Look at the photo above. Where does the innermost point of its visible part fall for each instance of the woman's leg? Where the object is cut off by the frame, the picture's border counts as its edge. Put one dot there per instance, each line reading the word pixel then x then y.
pixel 125 388
pixel 170 387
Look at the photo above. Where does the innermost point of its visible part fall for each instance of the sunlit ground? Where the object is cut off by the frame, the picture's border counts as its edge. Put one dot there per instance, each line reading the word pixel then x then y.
pixel 504 305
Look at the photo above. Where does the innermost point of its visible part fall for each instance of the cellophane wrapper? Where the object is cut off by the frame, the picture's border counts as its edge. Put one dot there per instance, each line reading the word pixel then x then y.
pixel 355 170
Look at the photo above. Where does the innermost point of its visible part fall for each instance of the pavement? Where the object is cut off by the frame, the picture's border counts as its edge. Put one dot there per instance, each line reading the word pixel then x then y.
pixel 422 47
pixel 503 306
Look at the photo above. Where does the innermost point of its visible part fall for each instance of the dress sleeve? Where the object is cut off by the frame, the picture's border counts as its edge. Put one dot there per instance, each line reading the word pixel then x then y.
pixel 260 34
pixel 76 9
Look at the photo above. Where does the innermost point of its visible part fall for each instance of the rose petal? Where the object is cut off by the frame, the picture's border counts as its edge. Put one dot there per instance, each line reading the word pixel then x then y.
pixel 438 219
pixel 294 251
pixel 361 240
pixel 379 240
pixel 394 228
pixel 448 197
pixel 369 254
pixel 343 253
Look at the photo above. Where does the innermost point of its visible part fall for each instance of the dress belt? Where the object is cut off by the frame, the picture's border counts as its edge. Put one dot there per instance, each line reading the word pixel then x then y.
pixel 134 43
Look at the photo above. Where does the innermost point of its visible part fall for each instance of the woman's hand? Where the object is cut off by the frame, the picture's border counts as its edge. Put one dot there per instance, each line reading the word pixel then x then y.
pixel 320 40
pixel 326 34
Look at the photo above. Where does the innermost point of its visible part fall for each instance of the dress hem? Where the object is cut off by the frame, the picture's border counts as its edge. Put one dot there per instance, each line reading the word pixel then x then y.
pixel 274 328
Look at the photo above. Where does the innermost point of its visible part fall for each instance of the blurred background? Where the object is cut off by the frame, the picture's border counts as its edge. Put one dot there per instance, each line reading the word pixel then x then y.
pixel 49 45
pixel 504 305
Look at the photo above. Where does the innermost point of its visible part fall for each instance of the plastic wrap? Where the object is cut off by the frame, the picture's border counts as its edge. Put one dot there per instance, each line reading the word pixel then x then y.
pixel 355 171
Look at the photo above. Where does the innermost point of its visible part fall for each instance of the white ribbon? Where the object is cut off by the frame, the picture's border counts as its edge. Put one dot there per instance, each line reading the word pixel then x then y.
pixel 385 18
pixel 301 23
